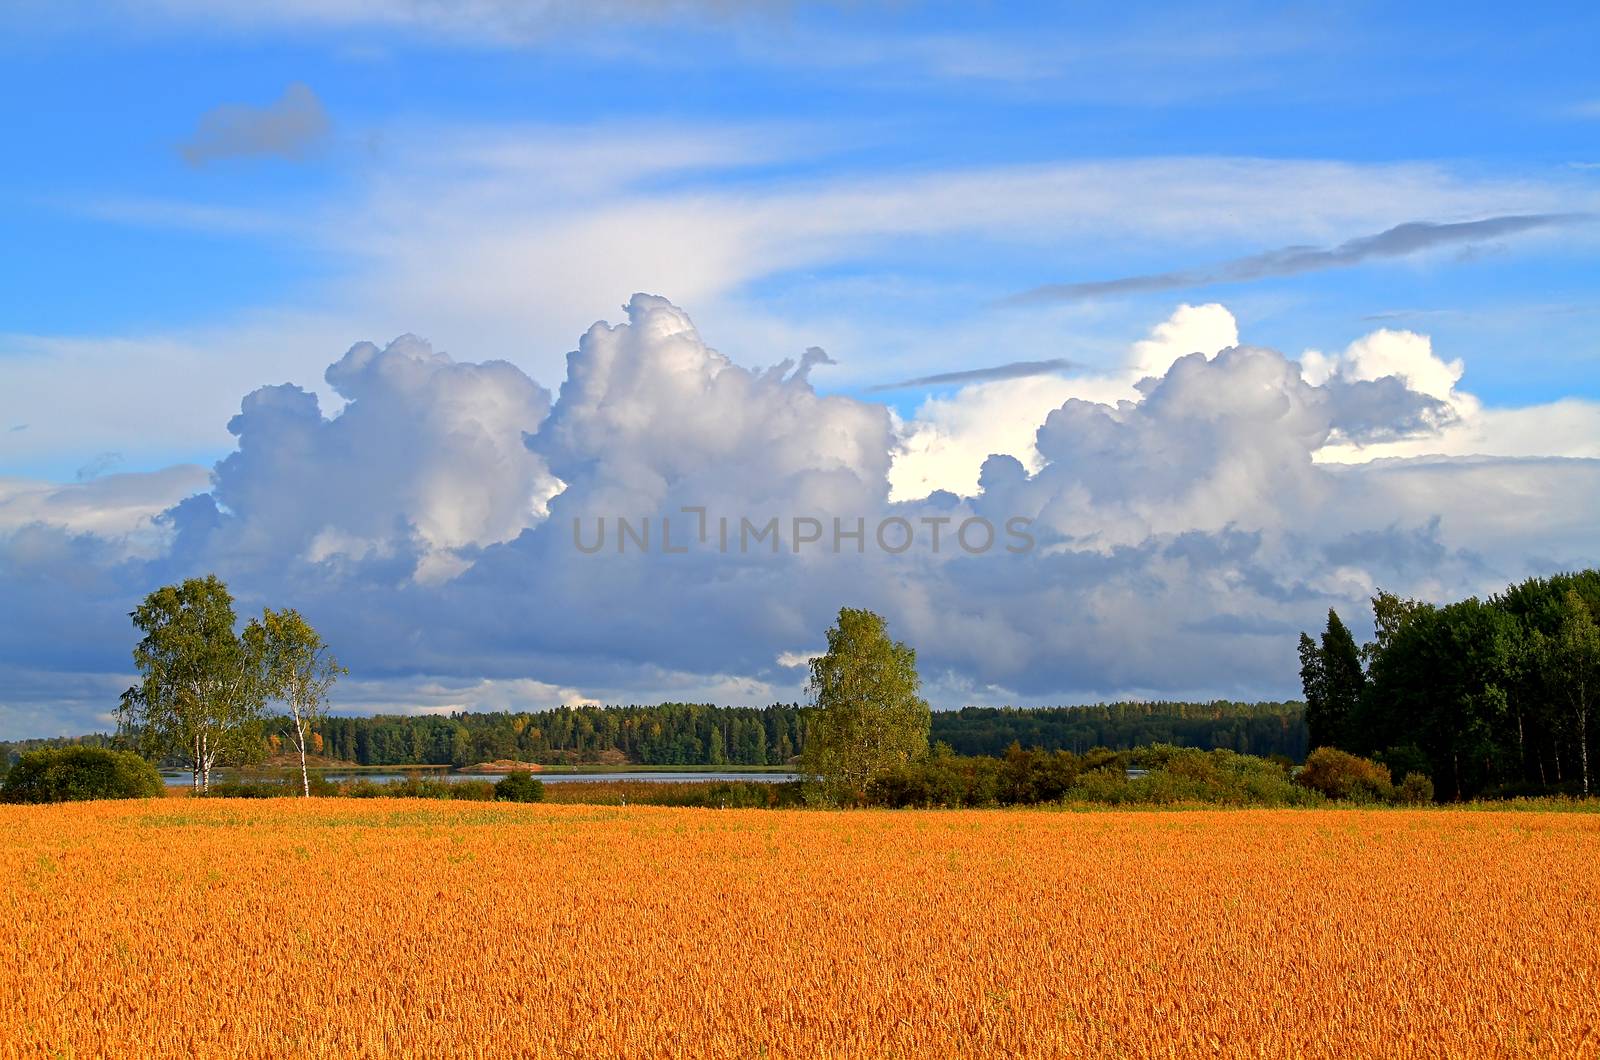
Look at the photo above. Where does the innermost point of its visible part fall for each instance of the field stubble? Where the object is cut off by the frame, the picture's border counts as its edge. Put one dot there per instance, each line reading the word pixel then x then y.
pixel 389 928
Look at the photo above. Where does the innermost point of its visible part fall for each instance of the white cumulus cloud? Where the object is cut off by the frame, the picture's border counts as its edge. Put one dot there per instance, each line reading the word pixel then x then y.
pixel 1185 520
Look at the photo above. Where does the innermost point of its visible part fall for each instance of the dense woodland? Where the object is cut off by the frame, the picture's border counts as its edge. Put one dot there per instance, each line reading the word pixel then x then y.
pixel 667 734
pixel 1487 697
pixel 1249 728
pixel 697 734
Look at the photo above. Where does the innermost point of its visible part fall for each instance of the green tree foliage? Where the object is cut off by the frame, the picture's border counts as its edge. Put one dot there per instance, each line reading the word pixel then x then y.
pixel 297 669
pixel 682 733
pixel 519 787
pixel 69 774
pixel 1389 614
pixel 201 693
pixel 868 717
pixel 1570 660
pixel 1167 776
pixel 1333 680
pixel 942 778
pixel 1481 697
pixel 667 734
pixel 1249 728
pixel 1158 775
pixel 1314 686
pixel 12 750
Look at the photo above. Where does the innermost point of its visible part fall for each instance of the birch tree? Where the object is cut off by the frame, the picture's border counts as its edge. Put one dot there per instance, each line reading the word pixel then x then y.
pixel 298 669
pixel 201 685
pixel 868 716
pixel 1573 668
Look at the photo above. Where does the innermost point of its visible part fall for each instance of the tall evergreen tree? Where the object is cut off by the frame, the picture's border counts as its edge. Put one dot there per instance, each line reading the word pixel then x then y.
pixel 1314 686
pixel 1345 680
pixel 1332 679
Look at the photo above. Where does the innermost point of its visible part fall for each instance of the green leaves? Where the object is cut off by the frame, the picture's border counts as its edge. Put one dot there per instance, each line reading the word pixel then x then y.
pixel 1333 681
pixel 67 774
pixel 296 667
pixel 201 686
pixel 868 717
pixel 296 663
pixel 1485 695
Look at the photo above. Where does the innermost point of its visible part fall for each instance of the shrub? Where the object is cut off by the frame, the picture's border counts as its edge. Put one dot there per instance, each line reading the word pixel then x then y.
pixel 1176 775
pixel 417 787
pixel 705 794
pixel 1415 790
pixel 251 789
pixel 1107 785
pixel 1168 775
pixel 71 774
pixel 720 794
pixel 939 780
pixel 1406 759
pixel 1340 775
pixel 519 787
pixel 412 787
pixel 1029 777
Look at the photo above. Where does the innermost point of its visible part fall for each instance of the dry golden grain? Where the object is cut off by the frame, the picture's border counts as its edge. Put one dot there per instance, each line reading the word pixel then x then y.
pixel 389 928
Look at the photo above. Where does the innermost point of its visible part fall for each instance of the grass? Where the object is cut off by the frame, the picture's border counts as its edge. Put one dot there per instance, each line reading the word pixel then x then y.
pixel 600 770
pixel 707 794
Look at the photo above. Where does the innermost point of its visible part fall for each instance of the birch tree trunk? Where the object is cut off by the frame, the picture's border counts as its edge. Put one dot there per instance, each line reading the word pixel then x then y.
pixel 1583 748
pixel 300 738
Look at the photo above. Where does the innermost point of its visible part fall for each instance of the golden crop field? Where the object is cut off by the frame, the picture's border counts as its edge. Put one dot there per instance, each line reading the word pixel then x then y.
pixel 390 928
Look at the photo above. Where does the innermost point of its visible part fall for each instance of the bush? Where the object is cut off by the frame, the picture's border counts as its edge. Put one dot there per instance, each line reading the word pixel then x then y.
pixel 71 774
pixel 1340 775
pixel 1163 775
pixel 416 787
pixel 939 780
pixel 704 794
pixel 943 778
pixel 519 787
pixel 1180 775
pixel 1107 785
pixel 412 787
pixel 1030 777
pixel 1406 759
pixel 720 794
pixel 1415 790
pixel 1166 776
pixel 251 789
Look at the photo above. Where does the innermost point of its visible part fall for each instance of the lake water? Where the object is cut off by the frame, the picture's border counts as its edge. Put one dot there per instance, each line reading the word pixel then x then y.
pixel 337 777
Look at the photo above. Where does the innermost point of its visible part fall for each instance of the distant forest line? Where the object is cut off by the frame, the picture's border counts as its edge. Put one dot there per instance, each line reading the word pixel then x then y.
pixel 696 734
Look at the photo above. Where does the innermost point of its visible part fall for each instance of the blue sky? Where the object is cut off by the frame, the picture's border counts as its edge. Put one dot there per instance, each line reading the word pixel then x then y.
pixel 97 100
pixel 874 179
